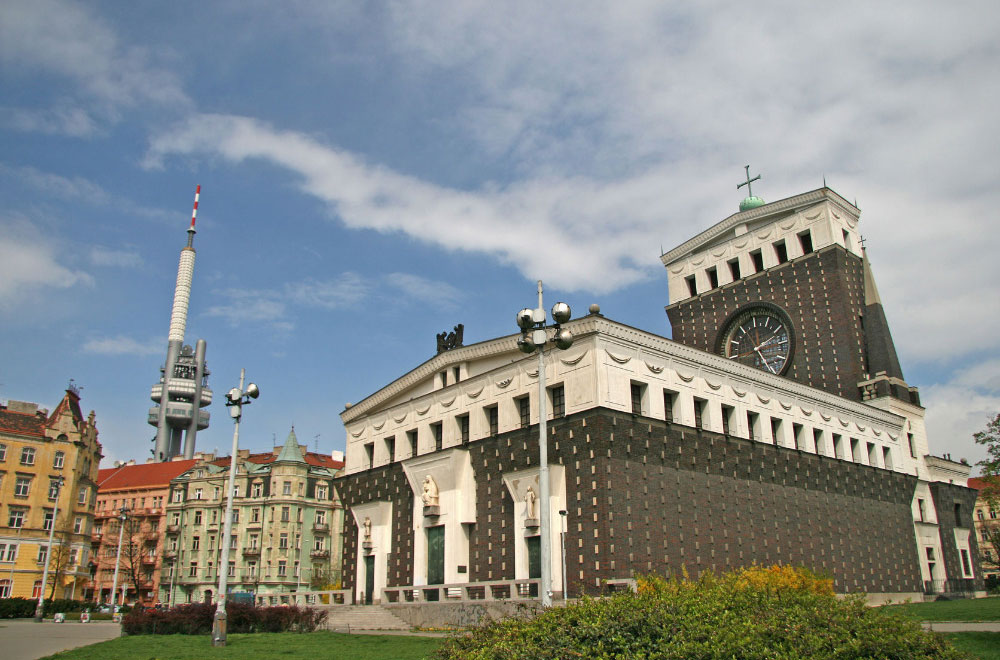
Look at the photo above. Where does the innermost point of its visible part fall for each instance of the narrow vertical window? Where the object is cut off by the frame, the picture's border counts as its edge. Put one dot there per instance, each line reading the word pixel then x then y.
pixel 463 428
pixel 818 441
pixel 806 242
pixel 369 457
pixel 493 419
pixel 524 411
pixel 800 441
pixel 757 258
pixel 913 446
pixel 887 458
pixel 734 268
pixel 390 447
pixel 638 391
pixel 776 430
pixel 692 285
pixel 699 412
pixel 411 439
pixel 780 252
pixel 753 425
pixel 438 434
pixel 713 278
pixel 558 395
pixel 727 419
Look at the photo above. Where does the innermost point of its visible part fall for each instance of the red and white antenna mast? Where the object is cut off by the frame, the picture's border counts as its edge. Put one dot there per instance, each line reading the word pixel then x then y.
pixel 194 216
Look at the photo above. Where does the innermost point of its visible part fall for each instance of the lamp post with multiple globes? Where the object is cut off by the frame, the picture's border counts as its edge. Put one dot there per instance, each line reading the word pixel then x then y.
pixel 534 336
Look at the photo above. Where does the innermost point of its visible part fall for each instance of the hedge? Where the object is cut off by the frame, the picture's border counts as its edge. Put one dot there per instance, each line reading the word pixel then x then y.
pixel 197 619
pixel 774 613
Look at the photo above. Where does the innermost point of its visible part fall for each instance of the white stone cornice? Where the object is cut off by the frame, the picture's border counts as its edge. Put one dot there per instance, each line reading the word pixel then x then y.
pixel 781 206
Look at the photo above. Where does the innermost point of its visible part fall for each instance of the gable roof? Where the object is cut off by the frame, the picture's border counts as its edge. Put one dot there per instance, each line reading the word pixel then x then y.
pixel 147 475
pixel 311 458
pixel 983 484
pixel 19 423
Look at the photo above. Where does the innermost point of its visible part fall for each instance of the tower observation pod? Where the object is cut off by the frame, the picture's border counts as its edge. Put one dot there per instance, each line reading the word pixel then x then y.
pixel 183 390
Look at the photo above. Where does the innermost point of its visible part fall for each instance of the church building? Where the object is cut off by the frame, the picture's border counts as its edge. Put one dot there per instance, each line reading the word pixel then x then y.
pixel 774 427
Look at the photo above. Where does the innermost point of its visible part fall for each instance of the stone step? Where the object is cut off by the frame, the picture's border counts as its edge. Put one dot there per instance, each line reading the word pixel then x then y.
pixel 345 618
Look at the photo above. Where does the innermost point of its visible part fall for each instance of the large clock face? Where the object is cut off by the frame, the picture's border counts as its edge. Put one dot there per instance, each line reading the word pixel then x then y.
pixel 759 337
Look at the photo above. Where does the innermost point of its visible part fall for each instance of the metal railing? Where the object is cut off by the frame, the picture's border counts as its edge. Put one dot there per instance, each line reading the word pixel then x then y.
pixel 952 586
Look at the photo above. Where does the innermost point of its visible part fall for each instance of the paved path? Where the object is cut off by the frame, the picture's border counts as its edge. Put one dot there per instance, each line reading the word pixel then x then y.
pixel 23 639
pixel 962 626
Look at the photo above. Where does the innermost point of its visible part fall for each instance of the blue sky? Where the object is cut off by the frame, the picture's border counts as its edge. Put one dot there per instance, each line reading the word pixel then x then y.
pixel 374 173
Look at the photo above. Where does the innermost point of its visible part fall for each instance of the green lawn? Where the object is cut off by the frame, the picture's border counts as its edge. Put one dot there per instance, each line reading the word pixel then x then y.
pixel 966 609
pixel 983 645
pixel 262 646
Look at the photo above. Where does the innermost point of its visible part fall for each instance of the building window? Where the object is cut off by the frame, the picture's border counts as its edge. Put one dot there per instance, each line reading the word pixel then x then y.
pixel 286 487
pixel 43 551
pixel 887 458
pixel 818 441
pixel 806 242
pixel 196 543
pixel 757 258
pixel 3 453
pixel 921 514
pixel 256 489
pixel 253 540
pixel 457 373
pixel 800 441
pixel 524 410
pixel 178 496
pixel 700 406
pixel 411 439
pixel 872 454
pixel 5 588
pixel 838 446
pixel 8 551
pixel 958 515
pixel 321 492
pixel 966 564
pixel 713 277
pixel 437 432
pixel 286 514
pixel 197 517
pixel 753 425
pixel 236 516
pixel 232 542
pixel 493 419
pixel 232 569
pixel 444 378
pixel 669 399
pixel 855 450
pixel 463 428
pixel 218 492
pixel 776 430
pixel 36 589
pixel 58 460
pixel 780 252
pixel 197 493
pixel 28 456
pixel 22 486
pixel 53 489
pixel 321 517
pixel 81 497
pixel 638 393
pixel 727 419
pixel 369 458
pixel 558 396
pixel 252 569
pixel 47 520
pixel 847 239
pixel 734 269
pixel 692 285
pixel 193 570
pixel 255 514
pixel 390 447
pixel 282 568
pixel 913 447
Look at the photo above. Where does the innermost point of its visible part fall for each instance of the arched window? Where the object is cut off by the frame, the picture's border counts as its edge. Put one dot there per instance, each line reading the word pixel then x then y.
pixel 5 586
pixel 36 589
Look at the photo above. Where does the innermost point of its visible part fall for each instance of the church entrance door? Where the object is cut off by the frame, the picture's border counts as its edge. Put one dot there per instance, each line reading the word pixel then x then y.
pixel 369 578
pixel 534 560
pixel 435 558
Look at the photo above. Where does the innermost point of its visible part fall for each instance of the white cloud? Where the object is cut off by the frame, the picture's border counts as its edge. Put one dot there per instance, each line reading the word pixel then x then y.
pixel 103 256
pixel 424 290
pixel 348 289
pixel 49 184
pixel 67 40
pixel 29 261
pixel 123 345
pixel 961 406
pixel 276 307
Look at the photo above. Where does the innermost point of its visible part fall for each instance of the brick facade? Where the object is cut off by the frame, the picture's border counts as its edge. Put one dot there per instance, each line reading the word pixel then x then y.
pixel 823 294
pixel 954 505
pixel 645 496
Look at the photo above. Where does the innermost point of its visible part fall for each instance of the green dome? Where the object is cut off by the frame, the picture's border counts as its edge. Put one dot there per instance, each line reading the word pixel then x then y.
pixel 751 202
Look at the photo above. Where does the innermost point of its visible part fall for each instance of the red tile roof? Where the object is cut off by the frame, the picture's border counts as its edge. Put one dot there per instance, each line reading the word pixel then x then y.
pixel 312 458
pixel 20 423
pixel 147 475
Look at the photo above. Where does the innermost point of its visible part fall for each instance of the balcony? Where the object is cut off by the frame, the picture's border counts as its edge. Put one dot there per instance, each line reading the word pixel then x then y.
pixel 149 560
pixel 320 554
pixel 169 555
pixel 173 529
pixel 321 527
pixel 251 552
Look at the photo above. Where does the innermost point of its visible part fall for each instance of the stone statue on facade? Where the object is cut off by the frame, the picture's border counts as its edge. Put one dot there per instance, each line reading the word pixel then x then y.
pixel 449 340
pixel 368 529
pixel 430 494
pixel 529 502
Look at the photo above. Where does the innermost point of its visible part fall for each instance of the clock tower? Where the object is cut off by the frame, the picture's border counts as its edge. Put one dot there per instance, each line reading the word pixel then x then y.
pixel 786 287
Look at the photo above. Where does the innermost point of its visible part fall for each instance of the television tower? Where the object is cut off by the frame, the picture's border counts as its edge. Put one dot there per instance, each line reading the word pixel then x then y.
pixel 183 388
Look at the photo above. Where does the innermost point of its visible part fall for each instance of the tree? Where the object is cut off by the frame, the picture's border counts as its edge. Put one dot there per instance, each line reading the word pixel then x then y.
pixel 59 560
pixel 989 527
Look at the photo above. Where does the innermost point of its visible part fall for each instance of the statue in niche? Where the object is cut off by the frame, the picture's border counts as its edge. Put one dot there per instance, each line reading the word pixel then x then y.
pixel 368 529
pixel 430 494
pixel 449 340
pixel 529 502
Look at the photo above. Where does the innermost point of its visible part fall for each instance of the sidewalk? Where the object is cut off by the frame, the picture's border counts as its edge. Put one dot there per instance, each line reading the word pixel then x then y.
pixel 23 639
pixel 962 626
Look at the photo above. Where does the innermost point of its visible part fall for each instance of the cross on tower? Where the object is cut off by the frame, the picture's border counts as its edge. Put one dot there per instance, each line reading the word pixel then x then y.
pixel 748 182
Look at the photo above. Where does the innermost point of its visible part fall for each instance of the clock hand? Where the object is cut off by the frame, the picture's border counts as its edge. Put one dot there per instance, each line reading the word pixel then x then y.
pixel 762 359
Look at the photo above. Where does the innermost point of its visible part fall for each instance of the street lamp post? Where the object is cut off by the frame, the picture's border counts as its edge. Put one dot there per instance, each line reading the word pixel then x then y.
pixel 563 528
pixel 56 485
pixel 122 517
pixel 235 399
pixel 534 335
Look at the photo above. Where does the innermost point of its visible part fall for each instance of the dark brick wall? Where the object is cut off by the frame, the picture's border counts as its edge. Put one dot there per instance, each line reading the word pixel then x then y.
pixel 946 496
pixel 823 294
pixel 647 497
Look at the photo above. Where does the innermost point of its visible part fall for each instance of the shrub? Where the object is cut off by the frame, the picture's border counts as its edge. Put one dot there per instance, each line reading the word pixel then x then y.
pixel 197 619
pixel 755 613
pixel 17 608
